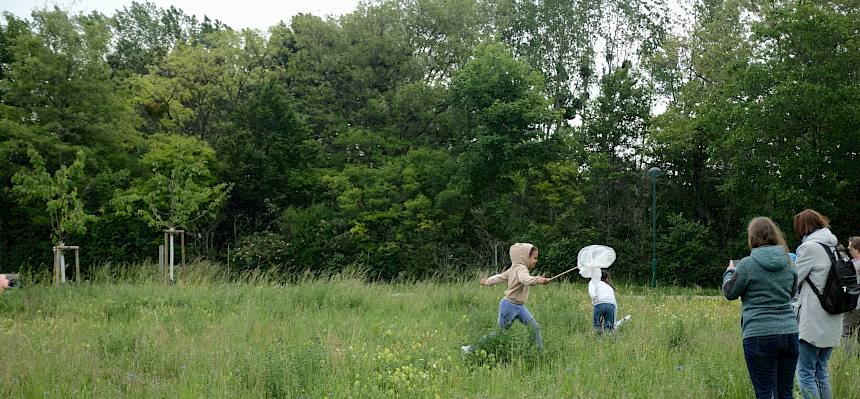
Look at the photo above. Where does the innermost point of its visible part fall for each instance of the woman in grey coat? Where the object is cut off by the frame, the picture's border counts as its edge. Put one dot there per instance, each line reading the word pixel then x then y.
pixel 819 331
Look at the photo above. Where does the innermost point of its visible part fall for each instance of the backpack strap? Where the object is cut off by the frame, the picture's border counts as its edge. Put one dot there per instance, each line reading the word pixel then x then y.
pixel 830 253
pixel 815 290
pixel 832 258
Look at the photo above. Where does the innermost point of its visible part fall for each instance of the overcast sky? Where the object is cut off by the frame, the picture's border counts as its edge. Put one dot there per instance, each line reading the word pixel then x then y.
pixel 256 14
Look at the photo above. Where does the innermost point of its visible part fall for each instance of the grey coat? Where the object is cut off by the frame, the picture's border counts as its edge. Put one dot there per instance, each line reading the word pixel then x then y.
pixel 817 327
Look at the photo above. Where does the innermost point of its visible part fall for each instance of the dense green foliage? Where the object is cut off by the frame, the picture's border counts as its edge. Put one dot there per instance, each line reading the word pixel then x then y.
pixel 420 137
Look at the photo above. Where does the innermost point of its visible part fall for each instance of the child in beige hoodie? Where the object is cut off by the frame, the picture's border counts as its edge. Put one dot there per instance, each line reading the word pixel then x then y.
pixel 512 307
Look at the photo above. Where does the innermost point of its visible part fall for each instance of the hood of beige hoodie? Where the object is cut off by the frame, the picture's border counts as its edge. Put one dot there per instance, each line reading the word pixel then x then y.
pixel 520 254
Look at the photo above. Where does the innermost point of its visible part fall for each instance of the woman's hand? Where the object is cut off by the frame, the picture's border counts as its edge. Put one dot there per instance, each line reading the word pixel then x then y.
pixel 483 281
pixel 731 265
pixel 542 280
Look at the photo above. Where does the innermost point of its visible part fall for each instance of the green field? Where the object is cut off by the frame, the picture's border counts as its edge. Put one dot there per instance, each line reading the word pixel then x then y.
pixel 339 337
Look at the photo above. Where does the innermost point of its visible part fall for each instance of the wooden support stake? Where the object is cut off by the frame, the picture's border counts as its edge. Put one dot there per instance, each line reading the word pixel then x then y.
pixel 63 278
pixel 182 243
pixel 168 268
pixel 170 271
pixel 77 267
pixel 164 265
pixel 56 267
pixel 59 263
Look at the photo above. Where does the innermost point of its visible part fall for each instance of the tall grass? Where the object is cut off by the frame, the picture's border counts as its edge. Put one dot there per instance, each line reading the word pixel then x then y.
pixel 222 335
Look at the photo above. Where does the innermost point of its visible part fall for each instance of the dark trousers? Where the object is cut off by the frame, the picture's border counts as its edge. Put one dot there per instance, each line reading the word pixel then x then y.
pixel 771 361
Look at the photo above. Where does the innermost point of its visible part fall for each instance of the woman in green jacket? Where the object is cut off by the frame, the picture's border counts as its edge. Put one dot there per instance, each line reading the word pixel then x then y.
pixel 766 281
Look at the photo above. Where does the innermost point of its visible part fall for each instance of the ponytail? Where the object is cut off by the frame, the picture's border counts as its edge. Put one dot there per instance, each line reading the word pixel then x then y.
pixel 604 276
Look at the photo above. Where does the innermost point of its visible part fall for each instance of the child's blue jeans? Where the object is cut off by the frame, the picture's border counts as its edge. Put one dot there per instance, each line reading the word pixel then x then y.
pixel 509 311
pixel 604 317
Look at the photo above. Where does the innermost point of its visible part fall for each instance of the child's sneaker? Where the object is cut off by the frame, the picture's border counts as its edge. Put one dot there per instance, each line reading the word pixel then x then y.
pixel 467 349
pixel 618 323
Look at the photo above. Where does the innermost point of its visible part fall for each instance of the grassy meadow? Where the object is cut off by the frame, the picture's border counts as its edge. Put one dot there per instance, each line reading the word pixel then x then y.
pixel 339 337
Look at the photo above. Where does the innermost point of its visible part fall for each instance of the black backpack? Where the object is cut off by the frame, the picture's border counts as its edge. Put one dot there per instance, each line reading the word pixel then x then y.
pixel 841 290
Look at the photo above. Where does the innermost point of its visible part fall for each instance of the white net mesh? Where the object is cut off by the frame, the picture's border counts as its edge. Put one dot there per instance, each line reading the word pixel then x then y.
pixel 593 258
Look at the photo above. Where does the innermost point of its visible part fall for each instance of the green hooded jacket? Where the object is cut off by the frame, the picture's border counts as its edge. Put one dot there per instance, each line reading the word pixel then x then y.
pixel 765 281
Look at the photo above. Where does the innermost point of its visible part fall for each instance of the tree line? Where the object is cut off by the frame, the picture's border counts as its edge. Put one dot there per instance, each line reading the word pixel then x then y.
pixel 419 138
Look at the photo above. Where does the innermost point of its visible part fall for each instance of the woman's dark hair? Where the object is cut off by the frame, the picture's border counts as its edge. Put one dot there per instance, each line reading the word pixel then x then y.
pixel 604 276
pixel 762 231
pixel 808 221
pixel 533 250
